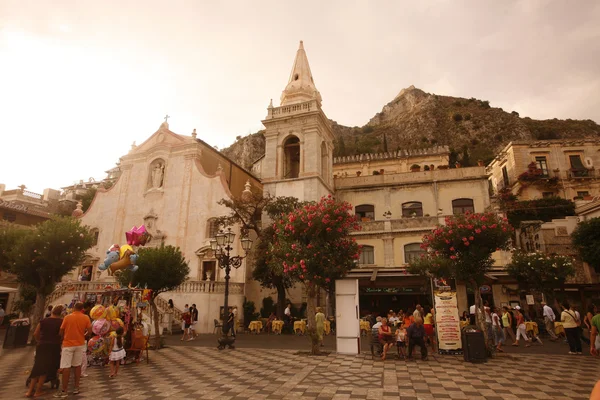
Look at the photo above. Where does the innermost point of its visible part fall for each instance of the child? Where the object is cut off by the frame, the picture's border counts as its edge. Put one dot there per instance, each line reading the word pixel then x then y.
pixel 187 322
pixel 117 352
pixel 401 340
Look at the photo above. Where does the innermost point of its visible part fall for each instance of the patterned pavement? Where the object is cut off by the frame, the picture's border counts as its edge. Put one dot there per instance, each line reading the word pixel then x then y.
pixel 207 373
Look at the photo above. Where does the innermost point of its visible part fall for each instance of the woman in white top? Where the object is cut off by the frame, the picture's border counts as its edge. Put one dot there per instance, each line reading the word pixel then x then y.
pixel 571 325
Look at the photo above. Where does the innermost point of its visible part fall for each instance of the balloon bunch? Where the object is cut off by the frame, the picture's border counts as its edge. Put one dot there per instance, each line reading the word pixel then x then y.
pixel 121 257
pixel 106 322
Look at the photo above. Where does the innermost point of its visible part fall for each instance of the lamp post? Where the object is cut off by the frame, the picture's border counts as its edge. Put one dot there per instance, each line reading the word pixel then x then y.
pixel 221 245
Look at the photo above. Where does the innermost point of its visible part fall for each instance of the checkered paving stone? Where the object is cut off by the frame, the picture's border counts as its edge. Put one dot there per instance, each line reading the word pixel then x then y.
pixel 206 373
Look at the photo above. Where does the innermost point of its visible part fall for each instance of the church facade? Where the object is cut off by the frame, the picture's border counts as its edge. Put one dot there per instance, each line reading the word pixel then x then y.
pixel 172 183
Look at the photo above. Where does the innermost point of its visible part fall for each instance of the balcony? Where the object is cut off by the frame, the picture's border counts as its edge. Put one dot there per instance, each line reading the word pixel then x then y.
pixel 581 173
pixel 397 225
pixel 411 177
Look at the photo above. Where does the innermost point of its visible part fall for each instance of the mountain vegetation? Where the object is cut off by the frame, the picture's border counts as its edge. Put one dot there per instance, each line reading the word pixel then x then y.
pixel 472 128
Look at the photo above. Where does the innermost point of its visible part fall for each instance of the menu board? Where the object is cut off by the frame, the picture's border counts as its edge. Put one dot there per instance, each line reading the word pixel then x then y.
pixel 447 321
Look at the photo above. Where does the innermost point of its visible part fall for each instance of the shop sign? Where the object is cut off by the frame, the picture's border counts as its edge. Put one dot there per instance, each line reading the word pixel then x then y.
pixel 392 290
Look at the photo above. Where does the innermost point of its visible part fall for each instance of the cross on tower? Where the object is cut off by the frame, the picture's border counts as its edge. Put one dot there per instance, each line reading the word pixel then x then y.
pixel 167 117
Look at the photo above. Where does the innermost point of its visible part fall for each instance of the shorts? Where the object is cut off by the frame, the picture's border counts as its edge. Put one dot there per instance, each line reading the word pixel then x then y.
pixel 187 326
pixel 400 344
pixel 71 356
pixel 428 330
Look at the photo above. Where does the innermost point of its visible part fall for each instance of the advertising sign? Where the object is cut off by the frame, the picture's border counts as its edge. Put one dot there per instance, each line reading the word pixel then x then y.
pixel 447 321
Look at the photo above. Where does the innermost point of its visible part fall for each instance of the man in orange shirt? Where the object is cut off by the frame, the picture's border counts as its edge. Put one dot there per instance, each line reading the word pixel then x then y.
pixel 74 328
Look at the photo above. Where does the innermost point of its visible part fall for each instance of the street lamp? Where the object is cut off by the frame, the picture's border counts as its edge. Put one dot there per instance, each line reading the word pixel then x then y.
pixel 221 246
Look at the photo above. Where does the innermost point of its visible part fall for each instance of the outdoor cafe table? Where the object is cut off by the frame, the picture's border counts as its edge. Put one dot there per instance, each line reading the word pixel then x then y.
pixel 255 326
pixel 365 326
pixel 559 328
pixel 532 326
pixel 300 326
pixel 277 326
pixel 327 327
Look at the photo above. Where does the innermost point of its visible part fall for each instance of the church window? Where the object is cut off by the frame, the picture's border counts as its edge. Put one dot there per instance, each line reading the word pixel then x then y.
pixel 412 252
pixel 412 209
pixel 291 159
pixel 212 228
pixel 367 255
pixel 366 212
pixel 324 161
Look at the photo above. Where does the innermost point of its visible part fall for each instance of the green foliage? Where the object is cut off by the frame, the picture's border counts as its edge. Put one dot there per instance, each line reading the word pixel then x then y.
pixel 586 239
pixel 367 129
pixel 541 272
pixel 9 236
pixel 463 247
pixel 366 144
pixel 340 149
pixel 250 313
pixel 312 243
pixel 457 117
pixel 87 198
pixel 385 144
pixel 544 209
pixel 268 306
pixel 484 104
pixel 516 114
pixel 467 117
pixel 161 269
pixel 42 256
pixel 27 295
pixel 268 271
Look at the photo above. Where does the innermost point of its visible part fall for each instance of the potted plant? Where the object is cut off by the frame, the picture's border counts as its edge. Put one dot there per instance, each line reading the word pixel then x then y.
pixel 578 198
pixel 426 168
pixel 442 167
pixel 432 167
pixel 480 163
pixel 457 164
pixel 358 173
pixel 415 168
pixel 381 171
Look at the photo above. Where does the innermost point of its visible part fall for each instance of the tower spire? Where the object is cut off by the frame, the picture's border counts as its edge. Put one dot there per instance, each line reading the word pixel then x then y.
pixel 301 86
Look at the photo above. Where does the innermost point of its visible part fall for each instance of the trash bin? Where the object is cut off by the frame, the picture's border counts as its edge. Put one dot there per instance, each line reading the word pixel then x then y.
pixel 17 334
pixel 473 342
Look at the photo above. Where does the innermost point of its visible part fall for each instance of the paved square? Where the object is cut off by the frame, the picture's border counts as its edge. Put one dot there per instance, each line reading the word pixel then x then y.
pixel 207 373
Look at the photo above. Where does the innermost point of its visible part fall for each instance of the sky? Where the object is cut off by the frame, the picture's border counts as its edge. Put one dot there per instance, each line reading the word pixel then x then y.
pixel 80 81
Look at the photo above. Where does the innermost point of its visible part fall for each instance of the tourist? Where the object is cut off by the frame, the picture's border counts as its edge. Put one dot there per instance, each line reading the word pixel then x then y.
pixel 385 337
pixel 47 352
pixel 186 322
pixel 377 324
pixel 117 352
pixel 418 313
pixel 194 319
pixel 521 328
pixel 549 318
pixel 87 307
pixel 170 313
pixel 287 315
pixel 400 315
pixel 498 330
pixel 415 334
pixel 409 318
pixel 401 340
pixel 507 322
pixel 320 325
pixel 592 310
pixel 428 326
pixel 595 335
pixel 580 328
pixel 269 324
pixel 487 313
pixel 48 312
pixel 392 319
pixel 571 325
pixel 472 318
pixel 465 316
pixel 186 309
pixel 74 328
pixel 235 320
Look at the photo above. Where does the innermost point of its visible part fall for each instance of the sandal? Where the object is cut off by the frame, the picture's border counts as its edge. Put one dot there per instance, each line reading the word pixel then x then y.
pixel 28 394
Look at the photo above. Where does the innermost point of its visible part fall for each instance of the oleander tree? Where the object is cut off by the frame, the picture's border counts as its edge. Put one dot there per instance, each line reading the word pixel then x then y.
pixel 462 249
pixel 40 257
pixel 541 272
pixel 161 269
pixel 313 246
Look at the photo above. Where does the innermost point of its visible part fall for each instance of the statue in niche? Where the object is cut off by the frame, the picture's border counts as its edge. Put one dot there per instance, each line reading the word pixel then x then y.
pixel 157 175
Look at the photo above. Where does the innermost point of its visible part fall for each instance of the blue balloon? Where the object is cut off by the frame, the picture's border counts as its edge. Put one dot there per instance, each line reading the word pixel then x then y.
pixel 112 257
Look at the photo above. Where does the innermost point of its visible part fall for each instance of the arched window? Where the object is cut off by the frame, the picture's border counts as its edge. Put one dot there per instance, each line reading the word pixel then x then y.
pixel 365 212
pixel 412 209
pixel 367 255
pixel 412 251
pixel 461 206
pixel 212 228
pixel 324 161
pixel 291 158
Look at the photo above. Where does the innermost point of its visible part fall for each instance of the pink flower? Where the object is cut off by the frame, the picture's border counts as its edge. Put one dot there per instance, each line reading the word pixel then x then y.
pixel 327 280
pixel 452 249
pixel 467 243
pixel 471 238
pixel 453 257
pixel 464 239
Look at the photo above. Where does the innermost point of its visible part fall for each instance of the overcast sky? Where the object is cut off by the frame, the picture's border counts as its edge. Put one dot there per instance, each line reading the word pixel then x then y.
pixel 81 80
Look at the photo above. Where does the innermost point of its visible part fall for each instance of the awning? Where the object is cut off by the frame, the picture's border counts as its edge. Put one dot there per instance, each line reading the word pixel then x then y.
pixel 4 289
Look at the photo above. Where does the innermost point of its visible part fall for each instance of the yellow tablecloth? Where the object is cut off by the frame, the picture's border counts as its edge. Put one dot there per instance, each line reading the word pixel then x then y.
pixel 255 326
pixel 300 326
pixel 277 326
pixel 365 326
pixel 532 326
pixel 559 328
pixel 463 324
pixel 327 327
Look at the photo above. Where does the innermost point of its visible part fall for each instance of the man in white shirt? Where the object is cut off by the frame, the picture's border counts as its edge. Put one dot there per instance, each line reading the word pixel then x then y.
pixel 418 313
pixel 377 324
pixel 472 319
pixel 549 319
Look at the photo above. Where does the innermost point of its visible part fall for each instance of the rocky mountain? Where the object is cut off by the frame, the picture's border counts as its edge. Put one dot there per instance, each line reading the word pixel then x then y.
pixel 472 129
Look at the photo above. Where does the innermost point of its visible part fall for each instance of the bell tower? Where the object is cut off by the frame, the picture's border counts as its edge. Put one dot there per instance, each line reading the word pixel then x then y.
pixel 299 141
